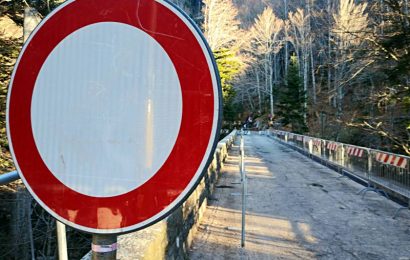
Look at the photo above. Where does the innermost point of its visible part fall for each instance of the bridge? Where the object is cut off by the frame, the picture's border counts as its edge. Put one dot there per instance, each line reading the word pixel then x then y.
pixel 297 209
pixel 306 198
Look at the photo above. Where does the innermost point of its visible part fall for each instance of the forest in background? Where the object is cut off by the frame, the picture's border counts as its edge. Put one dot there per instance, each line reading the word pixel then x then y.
pixel 335 69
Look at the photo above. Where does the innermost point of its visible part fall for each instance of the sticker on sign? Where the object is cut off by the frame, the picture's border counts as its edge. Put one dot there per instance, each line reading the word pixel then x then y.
pixel 113 112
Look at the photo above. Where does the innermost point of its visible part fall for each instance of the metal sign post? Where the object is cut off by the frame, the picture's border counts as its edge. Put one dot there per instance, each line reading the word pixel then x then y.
pixel 61 241
pixel 244 190
pixel 104 247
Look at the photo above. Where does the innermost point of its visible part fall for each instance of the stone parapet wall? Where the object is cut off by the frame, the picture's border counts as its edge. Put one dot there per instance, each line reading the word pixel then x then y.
pixel 172 237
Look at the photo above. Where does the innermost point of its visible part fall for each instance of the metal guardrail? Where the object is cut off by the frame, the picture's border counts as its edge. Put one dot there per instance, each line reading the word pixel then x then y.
pixel 383 172
pixel 6 178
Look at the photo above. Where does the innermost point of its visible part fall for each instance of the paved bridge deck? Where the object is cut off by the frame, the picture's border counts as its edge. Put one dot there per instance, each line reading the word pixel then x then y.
pixel 297 209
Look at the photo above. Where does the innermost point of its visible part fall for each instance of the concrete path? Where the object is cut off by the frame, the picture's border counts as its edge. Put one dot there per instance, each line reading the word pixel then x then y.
pixel 297 209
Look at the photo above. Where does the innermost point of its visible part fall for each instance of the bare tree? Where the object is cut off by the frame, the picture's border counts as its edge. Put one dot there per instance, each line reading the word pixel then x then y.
pixel 221 26
pixel 300 38
pixel 286 28
pixel 349 29
pixel 312 64
pixel 266 44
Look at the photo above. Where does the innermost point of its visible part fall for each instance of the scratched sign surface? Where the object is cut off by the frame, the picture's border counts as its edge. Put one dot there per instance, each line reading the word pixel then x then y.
pixel 113 112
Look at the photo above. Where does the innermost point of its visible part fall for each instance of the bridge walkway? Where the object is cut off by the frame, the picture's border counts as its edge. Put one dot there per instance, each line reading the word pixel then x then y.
pixel 297 209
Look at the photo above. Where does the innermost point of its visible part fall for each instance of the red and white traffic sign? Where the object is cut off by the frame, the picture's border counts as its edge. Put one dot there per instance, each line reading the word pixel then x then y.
pixel 113 112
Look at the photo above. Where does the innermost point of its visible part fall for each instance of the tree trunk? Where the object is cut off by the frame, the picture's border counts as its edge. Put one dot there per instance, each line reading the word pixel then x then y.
pixel 305 83
pixel 312 69
pixel 382 17
pixel 329 49
pixel 286 40
pixel 250 100
pixel 371 103
pixel 258 88
pixel 266 67
pixel 275 69
pixel 271 85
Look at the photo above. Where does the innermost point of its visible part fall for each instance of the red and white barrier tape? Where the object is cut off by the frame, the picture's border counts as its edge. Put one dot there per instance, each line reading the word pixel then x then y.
pixel 332 146
pixel 354 151
pixel 391 159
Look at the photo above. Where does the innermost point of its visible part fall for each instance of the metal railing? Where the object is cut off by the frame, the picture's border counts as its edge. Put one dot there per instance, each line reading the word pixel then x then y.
pixel 6 178
pixel 10 177
pixel 382 172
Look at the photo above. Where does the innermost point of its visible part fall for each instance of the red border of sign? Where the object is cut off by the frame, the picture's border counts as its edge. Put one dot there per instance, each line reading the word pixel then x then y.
pixel 200 121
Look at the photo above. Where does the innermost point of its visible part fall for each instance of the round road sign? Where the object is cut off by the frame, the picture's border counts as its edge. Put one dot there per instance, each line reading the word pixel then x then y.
pixel 113 112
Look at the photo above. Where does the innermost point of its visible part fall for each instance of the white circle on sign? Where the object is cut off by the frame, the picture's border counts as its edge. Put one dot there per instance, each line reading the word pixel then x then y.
pixel 105 128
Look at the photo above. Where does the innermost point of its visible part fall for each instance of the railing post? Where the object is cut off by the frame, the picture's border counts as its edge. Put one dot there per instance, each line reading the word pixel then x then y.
pixel 369 165
pixel 321 149
pixel 244 191
pixel 241 158
pixel 369 161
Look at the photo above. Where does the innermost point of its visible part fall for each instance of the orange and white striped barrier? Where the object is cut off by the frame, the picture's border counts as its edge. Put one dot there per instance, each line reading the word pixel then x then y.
pixel 299 138
pixel 291 136
pixel 332 146
pixel 354 151
pixel 391 159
